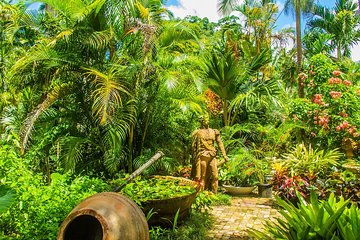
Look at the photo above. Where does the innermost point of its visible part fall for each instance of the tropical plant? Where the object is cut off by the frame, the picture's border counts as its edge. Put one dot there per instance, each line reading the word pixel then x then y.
pixel 7 197
pixel 303 169
pixel 313 220
pixel 349 223
pixel 330 110
pixel 317 42
pixel 239 171
pixel 299 6
pixel 236 79
pixel 304 160
pixel 39 208
pixel 341 23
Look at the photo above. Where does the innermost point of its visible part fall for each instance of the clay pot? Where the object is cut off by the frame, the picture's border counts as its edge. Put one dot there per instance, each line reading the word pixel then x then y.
pixel 105 216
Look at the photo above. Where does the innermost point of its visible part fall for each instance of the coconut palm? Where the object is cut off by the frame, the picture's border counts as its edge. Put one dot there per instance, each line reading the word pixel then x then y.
pixel 236 79
pixel 316 42
pixel 299 6
pixel 342 23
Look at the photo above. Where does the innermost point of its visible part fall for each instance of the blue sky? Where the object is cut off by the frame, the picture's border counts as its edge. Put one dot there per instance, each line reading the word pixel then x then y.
pixel 207 7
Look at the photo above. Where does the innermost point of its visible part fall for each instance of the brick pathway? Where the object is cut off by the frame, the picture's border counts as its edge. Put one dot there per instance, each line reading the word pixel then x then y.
pixel 231 222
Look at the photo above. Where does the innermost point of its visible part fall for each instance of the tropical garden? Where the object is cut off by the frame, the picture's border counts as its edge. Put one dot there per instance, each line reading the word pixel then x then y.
pixel 91 89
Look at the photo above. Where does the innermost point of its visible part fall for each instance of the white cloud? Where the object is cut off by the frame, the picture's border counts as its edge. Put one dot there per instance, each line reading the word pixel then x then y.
pixel 200 8
pixel 355 53
pixel 280 6
pixel 289 25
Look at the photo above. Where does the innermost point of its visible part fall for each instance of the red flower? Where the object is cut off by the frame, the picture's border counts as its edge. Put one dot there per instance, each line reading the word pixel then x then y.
pixel 342 114
pixel 347 83
pixel 344 125
pixel 336 73
pixel 318 99
pixel 335 95
pixel 337 80
pixel 331 80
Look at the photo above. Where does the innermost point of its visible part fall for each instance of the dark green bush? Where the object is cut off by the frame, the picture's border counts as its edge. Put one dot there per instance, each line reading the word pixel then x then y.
pixel 325 219
pixel 39 208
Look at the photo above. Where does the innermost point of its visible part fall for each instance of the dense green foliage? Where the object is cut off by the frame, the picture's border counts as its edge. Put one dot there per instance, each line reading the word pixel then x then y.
pixel 91 89
pixel 40 208
pixel 143 190
pixel 330 219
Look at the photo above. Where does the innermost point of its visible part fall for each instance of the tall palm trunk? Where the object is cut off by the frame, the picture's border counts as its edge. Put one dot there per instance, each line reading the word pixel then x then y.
pixel 299 47
pixel 226 112
pixel 338 51
pixel 131 148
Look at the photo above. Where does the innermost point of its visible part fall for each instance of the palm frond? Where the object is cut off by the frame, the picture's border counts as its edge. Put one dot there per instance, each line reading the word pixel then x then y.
pixel 75 10
pixel 114 159
pixel 29 122
pixel 187 97
pixel 39 55
pixel 72 149
pixel 260 60
pixel 107 94
pixel 116 134
pixel 258 92
pixel 143 11
pixel 225 7
pixel 177 32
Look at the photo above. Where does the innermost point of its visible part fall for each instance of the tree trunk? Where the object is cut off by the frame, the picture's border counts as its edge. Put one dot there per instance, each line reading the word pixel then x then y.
pixel 299 47
pixel 147 122
pixel 225 112
pixel 130 156
pixel 338 52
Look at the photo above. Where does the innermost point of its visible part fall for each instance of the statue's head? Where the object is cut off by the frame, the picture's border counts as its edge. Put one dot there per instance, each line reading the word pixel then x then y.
pixel 204 120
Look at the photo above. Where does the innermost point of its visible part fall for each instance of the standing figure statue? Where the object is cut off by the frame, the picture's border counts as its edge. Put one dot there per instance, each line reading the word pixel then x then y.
pixel 204 163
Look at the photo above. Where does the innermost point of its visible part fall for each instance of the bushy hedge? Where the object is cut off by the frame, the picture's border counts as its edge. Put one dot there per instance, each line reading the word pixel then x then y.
pixel 40 208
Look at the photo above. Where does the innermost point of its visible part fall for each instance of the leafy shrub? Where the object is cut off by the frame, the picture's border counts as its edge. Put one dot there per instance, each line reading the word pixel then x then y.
pixel 342 183
pixel 240 171
pixel 314 220
pixel 303 169
pixel 39 209
pixel 331 110
pixel 194 228
pixel 205 199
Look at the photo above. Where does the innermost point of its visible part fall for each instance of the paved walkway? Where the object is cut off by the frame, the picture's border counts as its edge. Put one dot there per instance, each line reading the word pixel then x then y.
pixel 231 222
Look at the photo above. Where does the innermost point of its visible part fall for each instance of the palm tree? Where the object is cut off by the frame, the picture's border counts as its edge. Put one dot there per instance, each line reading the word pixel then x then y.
pixel 81 81
pixel 299 6
pixel 260 19
pixel 316 42
pixel 234 77
pixel 342 23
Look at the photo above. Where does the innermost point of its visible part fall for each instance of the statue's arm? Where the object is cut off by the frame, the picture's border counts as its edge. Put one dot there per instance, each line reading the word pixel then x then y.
pixel 220 144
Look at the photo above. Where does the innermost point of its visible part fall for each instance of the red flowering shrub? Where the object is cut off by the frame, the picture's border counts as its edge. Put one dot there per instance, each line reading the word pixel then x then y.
pixel 332 105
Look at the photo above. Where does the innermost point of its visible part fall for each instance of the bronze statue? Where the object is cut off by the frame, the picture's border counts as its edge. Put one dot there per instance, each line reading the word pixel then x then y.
pixel 204 163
